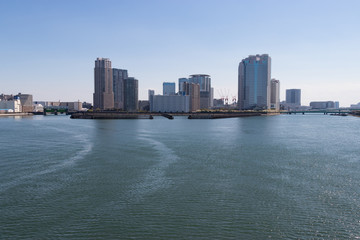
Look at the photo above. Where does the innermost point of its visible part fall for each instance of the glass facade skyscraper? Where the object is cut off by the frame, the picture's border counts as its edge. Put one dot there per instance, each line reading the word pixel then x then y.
pixel 293 97
pixel 131 91
pixel 168 88
pixel 254 82
pixel 181 85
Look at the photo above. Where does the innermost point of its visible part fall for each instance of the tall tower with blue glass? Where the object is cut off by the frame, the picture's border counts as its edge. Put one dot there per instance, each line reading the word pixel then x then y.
pixel 254 77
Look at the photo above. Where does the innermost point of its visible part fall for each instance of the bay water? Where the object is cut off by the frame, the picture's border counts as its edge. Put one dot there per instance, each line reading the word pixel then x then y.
pixel 274 177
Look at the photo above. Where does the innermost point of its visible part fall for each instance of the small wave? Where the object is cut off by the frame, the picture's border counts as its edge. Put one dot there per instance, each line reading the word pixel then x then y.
pixel 86 149
pixel 155 178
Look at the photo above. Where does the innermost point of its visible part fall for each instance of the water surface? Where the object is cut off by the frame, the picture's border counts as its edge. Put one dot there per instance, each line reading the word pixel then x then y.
pixel 241 178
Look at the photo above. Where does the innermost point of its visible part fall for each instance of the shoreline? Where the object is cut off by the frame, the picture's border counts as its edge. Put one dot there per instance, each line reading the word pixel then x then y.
pixel 150 115
pixel 15 114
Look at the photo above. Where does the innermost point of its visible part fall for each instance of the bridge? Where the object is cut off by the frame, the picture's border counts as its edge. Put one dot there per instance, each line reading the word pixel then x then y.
pixel 56 110
pixel 321 111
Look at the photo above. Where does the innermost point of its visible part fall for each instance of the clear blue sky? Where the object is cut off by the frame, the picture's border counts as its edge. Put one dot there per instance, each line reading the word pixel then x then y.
pixel 48 47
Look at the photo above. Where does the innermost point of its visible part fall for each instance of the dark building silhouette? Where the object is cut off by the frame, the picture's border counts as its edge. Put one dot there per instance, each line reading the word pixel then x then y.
pixel 131 90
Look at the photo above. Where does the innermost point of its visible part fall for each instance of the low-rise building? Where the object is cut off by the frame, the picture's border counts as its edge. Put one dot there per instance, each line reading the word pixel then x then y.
pixel 71 106
pixel 26 102
pixel 10 105
pixel 86 105
pixel 218 103
pixel 355 106
pixel 38 108
pixel 170 103
pixel 144 105
pixel 322 105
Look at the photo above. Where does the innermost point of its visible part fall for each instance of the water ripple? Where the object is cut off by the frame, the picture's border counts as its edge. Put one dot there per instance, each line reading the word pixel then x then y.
pixel 86 148
pixel 155 178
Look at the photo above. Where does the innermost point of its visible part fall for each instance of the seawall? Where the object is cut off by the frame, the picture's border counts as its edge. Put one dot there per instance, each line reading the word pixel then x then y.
pixel 140 115
pixel 14 114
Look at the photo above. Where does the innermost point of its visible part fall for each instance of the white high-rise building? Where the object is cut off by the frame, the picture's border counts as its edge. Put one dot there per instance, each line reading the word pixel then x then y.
pixel 275 94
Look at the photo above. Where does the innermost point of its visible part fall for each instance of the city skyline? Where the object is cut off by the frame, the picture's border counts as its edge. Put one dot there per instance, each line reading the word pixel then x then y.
pixel 313 45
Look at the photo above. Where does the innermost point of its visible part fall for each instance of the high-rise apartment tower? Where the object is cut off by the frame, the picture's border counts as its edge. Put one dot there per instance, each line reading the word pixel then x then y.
pixel 204 82
pixel 275 94
pixel 103 81
pixel 118 77
pixel 192 90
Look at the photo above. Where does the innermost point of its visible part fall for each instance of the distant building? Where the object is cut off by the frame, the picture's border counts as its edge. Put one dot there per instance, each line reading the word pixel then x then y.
pixel 118 77
pixel 212 97
pixel 144 105
pixel 206 92
pixel 168 88
pixel 322 105
pixel 72 106
pixel 337 105
pixel 254 82
pixel 193 91
pixel 13 105
pixel 131 91
pixel 38 108
pixel 151 93
pixel 293 97
pixel 48 103
pixel 103 81
pixel 204 82
pixel 275 94
pixel 355 106
pixel 218 103
pixel 171 103
pixel 86 105
pixel 181 81
pixel 26 102
pixel 5 97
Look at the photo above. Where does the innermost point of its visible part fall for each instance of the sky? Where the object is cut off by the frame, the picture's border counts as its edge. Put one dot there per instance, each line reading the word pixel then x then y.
pixel 48 47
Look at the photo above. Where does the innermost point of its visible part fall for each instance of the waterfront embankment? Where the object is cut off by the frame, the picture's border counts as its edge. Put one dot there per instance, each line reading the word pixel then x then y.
pixel 355 113
pixel 14 114
pixel 141 115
